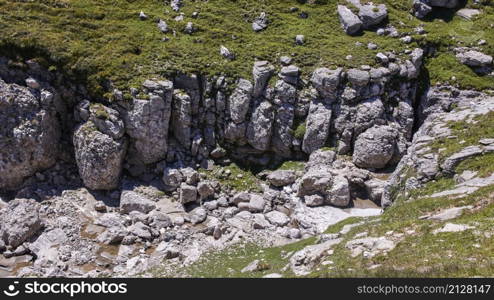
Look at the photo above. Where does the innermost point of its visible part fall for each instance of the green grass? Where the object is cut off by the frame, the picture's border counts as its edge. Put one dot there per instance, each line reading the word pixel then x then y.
pixel 292 165
pixel 240 179
pixel 102 42
pixel 468 133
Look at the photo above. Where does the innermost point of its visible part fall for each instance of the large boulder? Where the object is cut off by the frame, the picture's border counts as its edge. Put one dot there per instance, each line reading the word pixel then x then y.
pixel 339 194
pixel 372 15
pixel 132 201
pixel 99 157
pixel 282 178
pixel 474 59
pixel 375 147
pixel 317 127
pixel 315 181
pixel 29 134
pixel 147 123
pixel 20 221
pixel 350 22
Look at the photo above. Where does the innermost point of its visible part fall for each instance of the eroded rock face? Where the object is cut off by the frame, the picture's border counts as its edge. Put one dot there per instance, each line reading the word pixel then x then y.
pixel 100 152
pixel 147 123
pixel 317 127
pixel 29 135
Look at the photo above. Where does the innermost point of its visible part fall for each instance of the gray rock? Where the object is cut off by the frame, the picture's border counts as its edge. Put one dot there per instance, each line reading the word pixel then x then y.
pixel 99 157
pixel 468 13
pixel 314 200
pixel 260 23
pixel 198 215
pixel 372 15
pixel 420 9
pixel 260 128
pixel 160 220
pixel 132 201
pixel 475 59
pixel 290 74
pixel 147 123
pixel 450 227
pixel 315 181
pixel 112 235
pixel 256 203
pixel 282 178
pixel 176 4
pixel 299 39
pixel 239 101
pixel 450 213
pixel 321 158
pixel 261 72
pixel 317 127
pixel 450 163
pixel 190 28
pixel 240 197
pixel 358 78
pixel 191 176
pixel 326 82
pixel 282 131
pixel 205 190
pixel 181 118
pixel 339 194
pixel 350 22
pixel 375 188
pixel 20 221
pixel 303 261
pixel 162 26
pixel 141 230
pixel 172 178
pixel 142 16
pixel 375 147
pixel 226 53
pixel 259 222
pixel 188 193
pixel 252 267
pixel 277 218
pixel 29 135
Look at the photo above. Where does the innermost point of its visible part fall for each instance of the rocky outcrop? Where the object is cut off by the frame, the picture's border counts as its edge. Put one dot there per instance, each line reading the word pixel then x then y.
pixel 147 122
pixel 100 147
pixel 30 132
pixel 420 165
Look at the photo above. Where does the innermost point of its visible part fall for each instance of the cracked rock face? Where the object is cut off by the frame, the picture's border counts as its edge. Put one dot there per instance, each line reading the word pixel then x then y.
pixel 29 135
pixel 99 157
pixel 148 121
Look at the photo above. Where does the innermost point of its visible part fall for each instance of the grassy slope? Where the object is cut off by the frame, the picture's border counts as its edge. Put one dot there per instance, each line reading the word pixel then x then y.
pixel 101 40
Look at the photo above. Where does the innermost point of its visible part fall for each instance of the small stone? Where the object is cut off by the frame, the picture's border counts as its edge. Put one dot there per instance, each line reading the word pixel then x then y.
pixel 142 16
pixel 300 39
